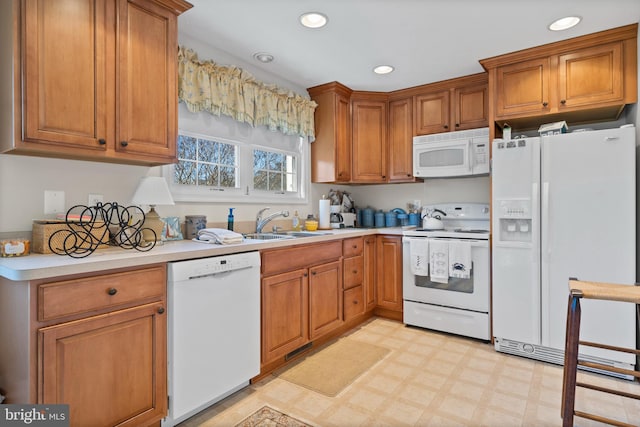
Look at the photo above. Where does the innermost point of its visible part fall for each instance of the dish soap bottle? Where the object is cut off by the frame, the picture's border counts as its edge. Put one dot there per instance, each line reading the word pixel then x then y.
pixel 295 221
pixel 230 219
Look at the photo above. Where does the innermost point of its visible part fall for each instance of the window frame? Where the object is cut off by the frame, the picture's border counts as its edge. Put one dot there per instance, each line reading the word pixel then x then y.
pixel 244 193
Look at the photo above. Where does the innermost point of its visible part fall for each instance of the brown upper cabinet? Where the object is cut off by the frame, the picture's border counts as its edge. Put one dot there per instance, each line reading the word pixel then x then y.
pixel 367 137
pixel 95 79
pixel 400 141
pixel 588 78
pixel 331 151
pixel 451 105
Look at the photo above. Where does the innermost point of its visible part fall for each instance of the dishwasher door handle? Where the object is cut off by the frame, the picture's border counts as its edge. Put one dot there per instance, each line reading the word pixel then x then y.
pixel 220 273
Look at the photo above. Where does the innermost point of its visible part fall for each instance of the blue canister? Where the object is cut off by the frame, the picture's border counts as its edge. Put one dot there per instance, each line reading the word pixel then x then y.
pixel 414 219
pixel 367 217
pixel 391 219
pixel 403 219
pixel 379 219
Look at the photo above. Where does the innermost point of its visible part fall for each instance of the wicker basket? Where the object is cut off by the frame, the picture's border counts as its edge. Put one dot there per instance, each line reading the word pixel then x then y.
pixel 43 230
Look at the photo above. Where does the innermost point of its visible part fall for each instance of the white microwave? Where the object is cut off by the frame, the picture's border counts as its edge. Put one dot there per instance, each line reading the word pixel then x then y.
pixel 450 154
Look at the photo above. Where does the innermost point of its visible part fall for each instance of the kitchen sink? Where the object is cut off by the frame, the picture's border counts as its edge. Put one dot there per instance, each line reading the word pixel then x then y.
pixel 308 233
pixel 267 236
pixel 285 235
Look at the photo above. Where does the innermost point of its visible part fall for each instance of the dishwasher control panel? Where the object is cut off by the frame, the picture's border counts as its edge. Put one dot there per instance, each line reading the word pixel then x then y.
pixel 185 270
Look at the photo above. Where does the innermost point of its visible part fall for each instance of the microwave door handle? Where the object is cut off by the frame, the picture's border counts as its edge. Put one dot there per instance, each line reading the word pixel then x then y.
pixel 470 155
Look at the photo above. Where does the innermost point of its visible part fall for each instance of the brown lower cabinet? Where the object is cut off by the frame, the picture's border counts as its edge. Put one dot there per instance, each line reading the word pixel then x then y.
pixel 304 303
pixel 96 342
pixel 312 293
pixel 389 276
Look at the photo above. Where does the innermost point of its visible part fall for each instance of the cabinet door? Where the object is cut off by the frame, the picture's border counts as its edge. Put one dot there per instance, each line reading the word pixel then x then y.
pixel 285 319
pixel 401 140
pixel 369 270
pixel 66 76
pixel 591 76
pixel 369 145
pixel 325 298
pixel 147 79
pixel 111 369
pixel 343 138
pixel 431 113
pixel 523 88
pixel 389 272
pixel 471 107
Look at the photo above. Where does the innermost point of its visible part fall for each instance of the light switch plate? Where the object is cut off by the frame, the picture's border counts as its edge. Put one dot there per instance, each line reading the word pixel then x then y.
pixel 53 202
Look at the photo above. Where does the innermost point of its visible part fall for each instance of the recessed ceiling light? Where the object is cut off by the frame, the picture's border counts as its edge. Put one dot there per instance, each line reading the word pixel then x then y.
pixel 564 23
pixel 383 69
pixel 263 57
pixel 313 20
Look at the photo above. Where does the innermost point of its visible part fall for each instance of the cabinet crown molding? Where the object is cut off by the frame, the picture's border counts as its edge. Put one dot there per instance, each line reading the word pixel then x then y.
pixel 560 47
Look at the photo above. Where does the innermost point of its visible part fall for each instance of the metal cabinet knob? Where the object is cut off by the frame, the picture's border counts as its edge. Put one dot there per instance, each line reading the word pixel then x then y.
pixel 544 104
pixel 124 143
pixel 112 291
pixel 102 141
pixel 161 310
pixel 564 101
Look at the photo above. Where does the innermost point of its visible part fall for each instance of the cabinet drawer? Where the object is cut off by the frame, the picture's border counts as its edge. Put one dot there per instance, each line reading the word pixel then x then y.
pixel 77 296
pixel 353 302
pixel 292 258
pixel 353 271
pixel 352 247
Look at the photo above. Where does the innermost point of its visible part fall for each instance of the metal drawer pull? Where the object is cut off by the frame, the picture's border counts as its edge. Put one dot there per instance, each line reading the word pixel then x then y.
pixel 112 291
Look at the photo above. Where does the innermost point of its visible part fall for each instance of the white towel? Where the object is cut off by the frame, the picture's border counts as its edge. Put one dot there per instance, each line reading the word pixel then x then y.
pixel 460 259
pixel 439 259
pixel 419 253
pixel 220 236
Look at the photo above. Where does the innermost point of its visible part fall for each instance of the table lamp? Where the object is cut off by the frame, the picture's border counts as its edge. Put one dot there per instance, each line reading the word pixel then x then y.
pixel 152 191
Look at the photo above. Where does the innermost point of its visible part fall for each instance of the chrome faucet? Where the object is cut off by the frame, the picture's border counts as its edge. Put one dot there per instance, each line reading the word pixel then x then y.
pixel 261 222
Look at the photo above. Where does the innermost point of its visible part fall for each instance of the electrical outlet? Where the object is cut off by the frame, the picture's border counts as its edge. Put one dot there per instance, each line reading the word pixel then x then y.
pixel 94 199
pixel 53 202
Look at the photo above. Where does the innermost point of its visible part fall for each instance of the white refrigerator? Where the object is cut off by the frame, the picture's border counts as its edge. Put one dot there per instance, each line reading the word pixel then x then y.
pixel 563 206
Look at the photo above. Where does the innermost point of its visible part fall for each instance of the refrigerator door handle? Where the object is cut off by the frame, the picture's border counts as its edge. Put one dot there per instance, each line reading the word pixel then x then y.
pixel 611 138
pixel 545 218
pixel 535 256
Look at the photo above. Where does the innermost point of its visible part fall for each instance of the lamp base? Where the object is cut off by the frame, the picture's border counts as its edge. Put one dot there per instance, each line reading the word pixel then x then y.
pixel 153 222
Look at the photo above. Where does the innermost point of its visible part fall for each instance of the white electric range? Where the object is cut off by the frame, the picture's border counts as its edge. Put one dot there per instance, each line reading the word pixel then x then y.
pixel 446 273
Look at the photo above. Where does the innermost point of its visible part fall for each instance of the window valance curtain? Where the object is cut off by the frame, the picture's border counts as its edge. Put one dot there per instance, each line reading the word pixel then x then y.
pixel 229 90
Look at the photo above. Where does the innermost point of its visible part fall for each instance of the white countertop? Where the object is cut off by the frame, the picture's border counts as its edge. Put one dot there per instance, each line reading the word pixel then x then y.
pixel 38 266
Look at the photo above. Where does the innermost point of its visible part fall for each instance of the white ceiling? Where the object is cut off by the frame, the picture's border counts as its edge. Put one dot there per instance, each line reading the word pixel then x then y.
pixel 425 40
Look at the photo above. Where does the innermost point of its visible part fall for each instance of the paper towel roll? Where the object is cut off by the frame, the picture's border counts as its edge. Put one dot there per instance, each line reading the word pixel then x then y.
pixel 325 215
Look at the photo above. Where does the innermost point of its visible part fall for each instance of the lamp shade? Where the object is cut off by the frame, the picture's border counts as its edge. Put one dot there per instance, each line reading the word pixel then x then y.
pixel 152 190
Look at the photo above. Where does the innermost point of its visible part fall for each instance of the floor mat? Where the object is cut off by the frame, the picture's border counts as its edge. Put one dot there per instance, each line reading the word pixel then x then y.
pixel 333 368
pixel 269 417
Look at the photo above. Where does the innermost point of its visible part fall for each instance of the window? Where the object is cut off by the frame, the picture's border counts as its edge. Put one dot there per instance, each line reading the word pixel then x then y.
pixel 212 169
pixel 274 171
pixel 204 162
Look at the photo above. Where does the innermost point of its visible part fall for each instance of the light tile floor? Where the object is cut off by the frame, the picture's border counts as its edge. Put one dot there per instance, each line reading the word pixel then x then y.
pixel 430 379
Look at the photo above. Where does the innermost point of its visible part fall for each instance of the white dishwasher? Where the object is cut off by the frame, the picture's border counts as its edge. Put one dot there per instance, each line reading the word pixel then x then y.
pixel 213 331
